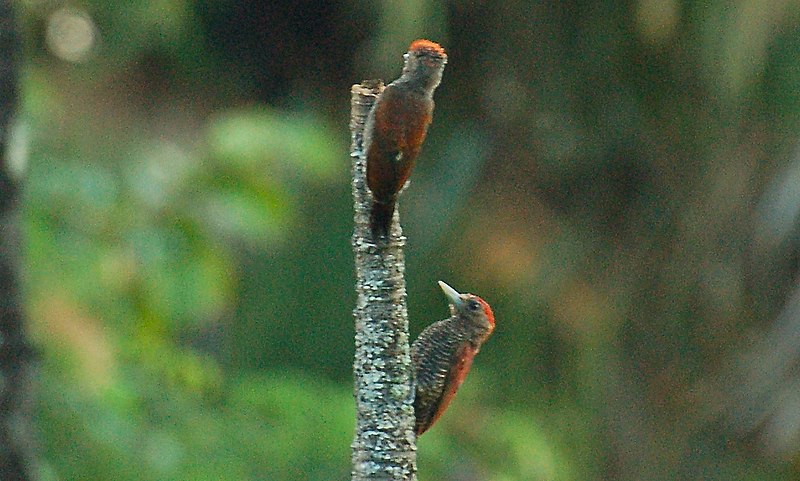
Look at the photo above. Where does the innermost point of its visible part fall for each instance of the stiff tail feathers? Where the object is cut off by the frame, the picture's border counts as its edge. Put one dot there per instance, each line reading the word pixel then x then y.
pixel 381 218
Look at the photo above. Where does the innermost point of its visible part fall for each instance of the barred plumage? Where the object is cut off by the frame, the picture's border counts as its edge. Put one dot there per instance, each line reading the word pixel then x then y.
pixel 443 354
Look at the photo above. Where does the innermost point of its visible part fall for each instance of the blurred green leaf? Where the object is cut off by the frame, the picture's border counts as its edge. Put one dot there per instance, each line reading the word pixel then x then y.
pixel 271 143
pixel 245 214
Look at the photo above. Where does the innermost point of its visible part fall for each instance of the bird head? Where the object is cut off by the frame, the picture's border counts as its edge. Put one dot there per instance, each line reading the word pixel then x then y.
pixel 469 307
pixel 424 63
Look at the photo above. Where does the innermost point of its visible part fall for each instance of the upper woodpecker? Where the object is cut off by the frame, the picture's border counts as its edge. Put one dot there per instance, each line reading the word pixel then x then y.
pixel 443 354
pixel 396 127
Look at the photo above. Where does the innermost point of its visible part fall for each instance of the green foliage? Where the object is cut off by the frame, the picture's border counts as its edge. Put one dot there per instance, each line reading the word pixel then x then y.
pixel 152 425
pixel 598 171
pixel 132 253
pixel 273 143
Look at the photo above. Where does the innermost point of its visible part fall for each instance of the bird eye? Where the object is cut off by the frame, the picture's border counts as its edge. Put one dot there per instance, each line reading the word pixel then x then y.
pixel 474 305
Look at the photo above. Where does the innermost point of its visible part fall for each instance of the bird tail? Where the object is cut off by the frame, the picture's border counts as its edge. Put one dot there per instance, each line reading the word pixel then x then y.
pixel 381 218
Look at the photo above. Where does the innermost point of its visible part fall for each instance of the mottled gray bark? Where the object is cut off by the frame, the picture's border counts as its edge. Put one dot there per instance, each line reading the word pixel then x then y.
pixel 15 353
pixel 384 447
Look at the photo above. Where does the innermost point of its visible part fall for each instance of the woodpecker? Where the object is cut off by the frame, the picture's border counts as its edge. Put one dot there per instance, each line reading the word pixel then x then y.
pixel 443 354
pixel 396 127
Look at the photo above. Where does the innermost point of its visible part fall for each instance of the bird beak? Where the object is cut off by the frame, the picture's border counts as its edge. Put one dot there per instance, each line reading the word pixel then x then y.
pixel 452 295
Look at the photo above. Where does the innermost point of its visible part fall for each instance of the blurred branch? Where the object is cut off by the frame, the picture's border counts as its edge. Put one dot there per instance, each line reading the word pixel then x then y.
pixel 384 447
pixel 761 384
pixel 14 349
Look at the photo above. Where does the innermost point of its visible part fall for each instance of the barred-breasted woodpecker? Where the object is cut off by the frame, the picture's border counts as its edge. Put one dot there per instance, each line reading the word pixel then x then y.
pixel 396 127
pixel 443 354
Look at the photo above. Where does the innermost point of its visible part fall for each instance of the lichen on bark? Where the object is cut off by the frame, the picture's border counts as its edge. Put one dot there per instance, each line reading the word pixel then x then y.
pixel 384 447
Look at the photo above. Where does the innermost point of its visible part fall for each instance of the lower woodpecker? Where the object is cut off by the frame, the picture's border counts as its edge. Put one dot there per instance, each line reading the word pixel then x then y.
pixel 443 354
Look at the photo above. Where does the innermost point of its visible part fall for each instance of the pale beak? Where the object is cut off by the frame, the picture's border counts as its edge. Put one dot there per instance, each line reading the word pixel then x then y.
pixel 452 295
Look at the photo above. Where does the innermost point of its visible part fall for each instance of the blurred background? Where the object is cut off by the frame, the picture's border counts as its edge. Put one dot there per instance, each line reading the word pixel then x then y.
pixel 620 180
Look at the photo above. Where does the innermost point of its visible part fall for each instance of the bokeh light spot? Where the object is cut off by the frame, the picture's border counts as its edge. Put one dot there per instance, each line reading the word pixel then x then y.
pixel 70 35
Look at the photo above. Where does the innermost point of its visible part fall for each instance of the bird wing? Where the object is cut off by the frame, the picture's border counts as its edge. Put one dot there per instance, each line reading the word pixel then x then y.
pixel 402 119
pixel 454 379
pixel 384 147
pixel 441 361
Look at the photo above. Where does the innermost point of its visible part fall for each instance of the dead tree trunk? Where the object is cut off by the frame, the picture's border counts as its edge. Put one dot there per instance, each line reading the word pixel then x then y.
pixel 384 447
